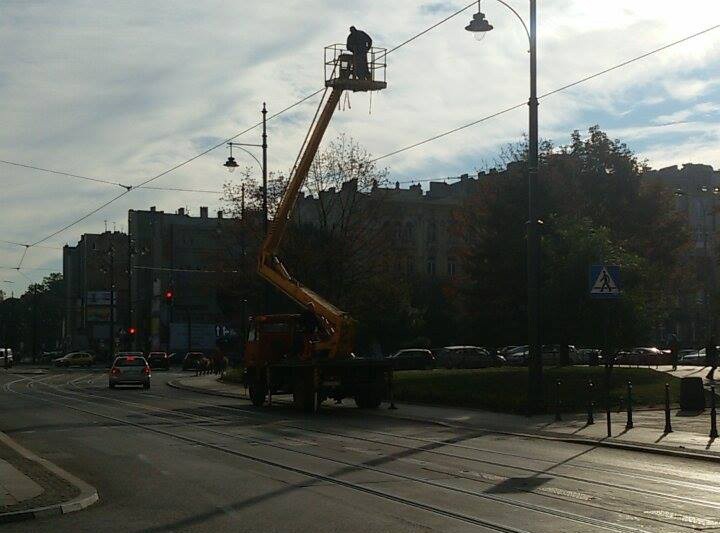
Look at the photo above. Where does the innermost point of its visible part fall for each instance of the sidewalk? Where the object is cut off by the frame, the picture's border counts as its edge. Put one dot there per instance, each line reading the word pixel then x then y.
pixel 15 487
pixel 688 439
pixel 32 487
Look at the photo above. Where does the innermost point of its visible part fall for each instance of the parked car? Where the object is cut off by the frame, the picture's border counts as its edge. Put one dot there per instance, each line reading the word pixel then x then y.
pixel 49 357
pixel 692 357
pixel 507 349
pixel 7 359
pixel 586 356
pixel 412 359
pixel 129 370
pixel 642 356
pixel 75 359
pixel 192 360
pixel 468 357
pixel 159 360
pixel 551 354
pixel 517 356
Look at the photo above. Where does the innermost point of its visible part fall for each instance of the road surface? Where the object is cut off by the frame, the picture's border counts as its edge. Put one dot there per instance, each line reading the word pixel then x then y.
pixel 171 460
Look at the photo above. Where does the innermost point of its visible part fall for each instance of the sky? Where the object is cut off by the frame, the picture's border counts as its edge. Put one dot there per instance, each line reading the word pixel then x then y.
pixel 127 89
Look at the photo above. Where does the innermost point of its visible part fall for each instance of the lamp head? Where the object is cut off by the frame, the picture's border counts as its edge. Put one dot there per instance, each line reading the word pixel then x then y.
pixel 231 164
pixel 479 25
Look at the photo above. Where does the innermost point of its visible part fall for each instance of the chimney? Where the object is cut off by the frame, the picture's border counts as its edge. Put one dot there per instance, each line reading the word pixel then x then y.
pixel 220 214
pixel 203 212
pixel 181 211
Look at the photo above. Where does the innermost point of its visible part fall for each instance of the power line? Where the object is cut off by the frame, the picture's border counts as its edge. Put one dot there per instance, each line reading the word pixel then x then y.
pixel 194 271
pixel 550 93
pixel 61 173
pixel 27 268
pixel 99 180
pixel 84 217
pixel 182 190
pixel 218 145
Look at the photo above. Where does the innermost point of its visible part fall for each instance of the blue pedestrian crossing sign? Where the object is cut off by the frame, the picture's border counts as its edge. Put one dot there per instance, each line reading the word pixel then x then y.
pixel 605 281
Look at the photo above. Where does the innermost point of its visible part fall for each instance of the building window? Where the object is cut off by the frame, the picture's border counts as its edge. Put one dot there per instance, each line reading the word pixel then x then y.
pixel 451 268
pixel 431 266
pixel 432 232
pixel 408 233
pixel 409 266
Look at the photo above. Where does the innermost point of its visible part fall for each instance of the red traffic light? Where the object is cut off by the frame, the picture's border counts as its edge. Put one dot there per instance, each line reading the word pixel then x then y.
pixel 132 331
pixel 169 295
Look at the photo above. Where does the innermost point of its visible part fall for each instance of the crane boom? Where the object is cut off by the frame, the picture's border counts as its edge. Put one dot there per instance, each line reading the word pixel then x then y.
pixel 339 325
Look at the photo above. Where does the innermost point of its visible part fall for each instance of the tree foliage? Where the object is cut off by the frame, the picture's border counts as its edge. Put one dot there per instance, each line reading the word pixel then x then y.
pixel 597 207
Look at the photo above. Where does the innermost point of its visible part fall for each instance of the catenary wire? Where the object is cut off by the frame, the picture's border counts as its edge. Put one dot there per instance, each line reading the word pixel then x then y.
pixel 550 93
pixel 247 130
pixel 61 173
pixel 190 270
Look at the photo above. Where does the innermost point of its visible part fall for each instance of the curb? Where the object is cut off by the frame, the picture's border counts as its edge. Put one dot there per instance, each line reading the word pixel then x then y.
pixel 88 494
pixel 603 443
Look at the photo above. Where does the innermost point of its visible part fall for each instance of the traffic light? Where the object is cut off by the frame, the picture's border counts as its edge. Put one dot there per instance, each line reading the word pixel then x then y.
pixel 169 295
pixel 132 330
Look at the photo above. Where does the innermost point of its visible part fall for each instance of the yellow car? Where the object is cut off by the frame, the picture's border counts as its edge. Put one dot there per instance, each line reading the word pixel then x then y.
pixel 75 359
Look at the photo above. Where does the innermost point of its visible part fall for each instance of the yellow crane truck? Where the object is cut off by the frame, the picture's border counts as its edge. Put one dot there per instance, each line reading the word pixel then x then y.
pixel 310 354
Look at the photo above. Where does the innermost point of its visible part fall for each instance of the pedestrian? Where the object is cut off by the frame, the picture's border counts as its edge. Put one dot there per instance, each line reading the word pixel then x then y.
pixel 674 347
pixel 359 43
pixel 711 358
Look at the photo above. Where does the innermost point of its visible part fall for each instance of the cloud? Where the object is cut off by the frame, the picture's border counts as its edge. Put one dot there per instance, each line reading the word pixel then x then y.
pixel 129 89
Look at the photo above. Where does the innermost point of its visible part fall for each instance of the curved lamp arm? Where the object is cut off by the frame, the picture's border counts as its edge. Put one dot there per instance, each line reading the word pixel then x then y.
pixel 233 145
pixel 522 21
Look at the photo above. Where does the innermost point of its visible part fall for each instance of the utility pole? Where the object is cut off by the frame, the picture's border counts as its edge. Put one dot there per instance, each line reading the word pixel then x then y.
pixel 112 302
pixel 189 330
pixel 265 196
pixel 129 324
pixel 34 327
pixel 231 165
pixel 535 378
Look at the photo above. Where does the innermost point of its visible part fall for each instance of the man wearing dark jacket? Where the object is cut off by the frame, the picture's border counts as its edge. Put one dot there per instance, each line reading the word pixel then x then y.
pixel 359 43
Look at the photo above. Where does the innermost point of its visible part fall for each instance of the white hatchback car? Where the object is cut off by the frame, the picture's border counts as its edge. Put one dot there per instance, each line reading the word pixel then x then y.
pixel 130 370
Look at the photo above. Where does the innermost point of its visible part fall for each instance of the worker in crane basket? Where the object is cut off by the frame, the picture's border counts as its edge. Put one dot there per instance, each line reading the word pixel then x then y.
pixel 359 43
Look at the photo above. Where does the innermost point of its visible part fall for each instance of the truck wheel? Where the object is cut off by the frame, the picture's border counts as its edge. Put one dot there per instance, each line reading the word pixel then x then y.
pixel 304 393
pixel 258 392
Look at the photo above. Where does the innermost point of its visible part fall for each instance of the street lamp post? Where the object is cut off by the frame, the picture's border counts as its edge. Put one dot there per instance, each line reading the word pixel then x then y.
pixel 479 24
pixel 231 165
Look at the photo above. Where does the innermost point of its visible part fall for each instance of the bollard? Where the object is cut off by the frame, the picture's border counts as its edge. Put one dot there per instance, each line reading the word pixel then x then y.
pixel 608 421
pixel 558 402
pixel 713 415
pixel 668 426
pixel 590 417
pixel 390 392
pixel 629 424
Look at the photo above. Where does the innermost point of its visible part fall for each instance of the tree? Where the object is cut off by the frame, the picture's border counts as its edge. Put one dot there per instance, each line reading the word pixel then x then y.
pixel 34 322
pixel 597 207
pixel 338 243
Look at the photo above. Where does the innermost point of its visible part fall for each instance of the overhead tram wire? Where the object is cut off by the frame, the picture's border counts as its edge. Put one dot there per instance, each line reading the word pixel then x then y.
pixel 247 130
pixel 550 93
pixel 61 173
pixel 114 184
pixel 187 270
pixel 395 152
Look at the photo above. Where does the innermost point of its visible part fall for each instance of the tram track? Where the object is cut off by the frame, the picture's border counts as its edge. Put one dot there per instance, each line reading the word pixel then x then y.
pixel 556 513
